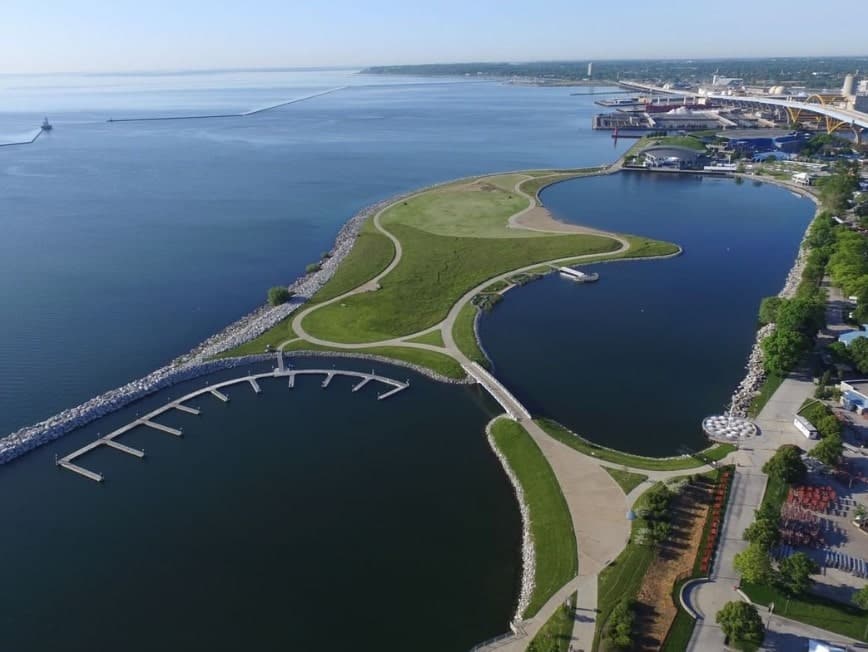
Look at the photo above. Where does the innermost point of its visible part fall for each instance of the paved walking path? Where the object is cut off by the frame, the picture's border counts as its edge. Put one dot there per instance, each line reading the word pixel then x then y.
pixel 776 429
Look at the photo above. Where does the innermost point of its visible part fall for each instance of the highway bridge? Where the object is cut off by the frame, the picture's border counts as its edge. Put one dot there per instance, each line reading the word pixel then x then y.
pixel 836 118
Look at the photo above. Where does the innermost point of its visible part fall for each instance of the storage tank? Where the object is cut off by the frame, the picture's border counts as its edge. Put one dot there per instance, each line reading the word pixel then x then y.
pixel 847 89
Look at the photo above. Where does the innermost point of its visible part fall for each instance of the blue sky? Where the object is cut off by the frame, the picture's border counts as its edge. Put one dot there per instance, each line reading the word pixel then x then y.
pixel 105 35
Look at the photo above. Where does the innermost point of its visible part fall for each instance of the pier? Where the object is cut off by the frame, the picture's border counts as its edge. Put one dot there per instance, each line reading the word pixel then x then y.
pixel 110 440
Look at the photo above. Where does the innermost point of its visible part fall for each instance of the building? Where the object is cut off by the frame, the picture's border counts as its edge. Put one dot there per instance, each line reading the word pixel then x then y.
pixel 750 141
pixel 672 157
pixel 854 395
pixel 848 338
pixel 590 70
pixel 805 427
pixel 803 178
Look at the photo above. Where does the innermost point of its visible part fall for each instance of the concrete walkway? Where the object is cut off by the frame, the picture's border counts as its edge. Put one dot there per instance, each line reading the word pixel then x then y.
pixel 776 429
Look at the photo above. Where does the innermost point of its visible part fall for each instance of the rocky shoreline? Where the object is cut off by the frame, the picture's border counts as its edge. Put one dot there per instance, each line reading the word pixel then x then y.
pixel 196 362
pixel 528 558
pixel 751 384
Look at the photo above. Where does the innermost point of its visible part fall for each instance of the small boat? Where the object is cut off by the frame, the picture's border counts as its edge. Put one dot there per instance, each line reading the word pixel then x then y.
pixel 577 276
pixel 46 125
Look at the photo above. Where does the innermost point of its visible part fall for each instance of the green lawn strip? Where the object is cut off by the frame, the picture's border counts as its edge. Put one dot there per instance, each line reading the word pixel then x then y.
pixel 775 494
pixel 533 187
pixel 626 480
pixel 556 634
pixel 770 386
pixel 481 212
pixel 434 273
pixel 838 617
pixel 677 141
pixel 550 522
pixel 465 336
pixel 497 286
pixel 622 579
pixel 681 629
pixel 370 255
pixel 437 362
pixel 714 453
pixel 435 338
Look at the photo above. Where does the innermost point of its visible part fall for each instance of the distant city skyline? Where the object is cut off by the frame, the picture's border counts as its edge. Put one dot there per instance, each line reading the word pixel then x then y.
pixel 91 36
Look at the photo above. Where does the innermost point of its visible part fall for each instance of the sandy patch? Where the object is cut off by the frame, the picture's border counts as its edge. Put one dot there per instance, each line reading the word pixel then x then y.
pixel 541 219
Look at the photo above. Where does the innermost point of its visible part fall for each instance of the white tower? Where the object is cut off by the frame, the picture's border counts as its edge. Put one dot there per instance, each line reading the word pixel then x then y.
pixel 847 90
pixel 591 70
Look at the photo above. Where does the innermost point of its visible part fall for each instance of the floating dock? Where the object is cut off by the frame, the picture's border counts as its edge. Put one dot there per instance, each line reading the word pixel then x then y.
pixel 147 420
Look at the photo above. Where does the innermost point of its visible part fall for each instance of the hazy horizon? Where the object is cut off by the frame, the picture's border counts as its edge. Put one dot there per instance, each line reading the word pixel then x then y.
pixel 83 37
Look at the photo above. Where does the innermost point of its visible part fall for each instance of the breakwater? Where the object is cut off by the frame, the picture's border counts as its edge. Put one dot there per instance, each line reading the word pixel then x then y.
pixel 243 114
pixel 24 142
pixel 755 374
pixel 528 557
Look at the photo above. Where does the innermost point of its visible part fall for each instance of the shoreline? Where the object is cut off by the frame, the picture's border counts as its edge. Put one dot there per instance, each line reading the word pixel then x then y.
pixel 755 375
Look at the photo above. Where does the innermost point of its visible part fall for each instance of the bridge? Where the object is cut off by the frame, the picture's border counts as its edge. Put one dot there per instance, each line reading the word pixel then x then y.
pixel 109 440
pixel 835 117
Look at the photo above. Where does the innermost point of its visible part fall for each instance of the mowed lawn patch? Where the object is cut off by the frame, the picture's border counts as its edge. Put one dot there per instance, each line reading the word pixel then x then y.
pixel 557 431
pixel 477 209
pixel 432 276
pixel 465 335
pixel 550 523
pixel 370 255
pixel 440 363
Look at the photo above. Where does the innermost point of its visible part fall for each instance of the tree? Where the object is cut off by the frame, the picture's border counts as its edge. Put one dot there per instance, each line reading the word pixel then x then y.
pixel 858 351
pixel 794 573
pixel 764 532
pixel 861 597
pixel 786 464
pixel 278 295
pixel 768 312
pixel 804 315
pixel 619 628
pixel 828 450
pixel 782 350
pixel 742 624
pixel 754 564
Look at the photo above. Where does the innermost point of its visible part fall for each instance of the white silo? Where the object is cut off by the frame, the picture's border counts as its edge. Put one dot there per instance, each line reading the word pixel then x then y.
pixel 847 89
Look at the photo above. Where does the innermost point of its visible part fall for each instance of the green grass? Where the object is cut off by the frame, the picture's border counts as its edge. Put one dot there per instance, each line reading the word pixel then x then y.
pixel 678 141
pixel 438 362
pixel 557 431
pixel 435 338
pixel 557 633
pixel 622 579
pixel 775 494
pixel 434 273
pixel 838 617
pixel 370 255
pixel 626 480
pixel 497 286
pixel 465 336
pixel 770 386
pixel 550 522
pixel 678 636
pixel 533 187
pixel 479 209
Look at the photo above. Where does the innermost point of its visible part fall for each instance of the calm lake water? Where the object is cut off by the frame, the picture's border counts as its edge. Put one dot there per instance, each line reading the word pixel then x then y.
pixel 308 518
pixel 636 360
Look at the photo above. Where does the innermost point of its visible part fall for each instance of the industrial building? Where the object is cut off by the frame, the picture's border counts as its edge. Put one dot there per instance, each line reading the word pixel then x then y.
pixel 677 158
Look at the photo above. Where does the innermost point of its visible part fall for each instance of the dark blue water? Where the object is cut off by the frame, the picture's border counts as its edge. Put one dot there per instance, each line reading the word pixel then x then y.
pixel 299 519
pixel 636 360
pixel 123 245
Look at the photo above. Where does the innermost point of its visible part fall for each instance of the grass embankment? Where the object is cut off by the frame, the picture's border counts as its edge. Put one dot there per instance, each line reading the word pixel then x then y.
pixel 550 523
pixel 626 480
pixel 622 579
pixel 556 634
pixel 845 619
pixel 434 338
pixel 767 389
pixel 465 336
pixel 434 273
pixel 370 255
pixel 533 186
pixel 437 362
pixel 703 457
pixel 678 141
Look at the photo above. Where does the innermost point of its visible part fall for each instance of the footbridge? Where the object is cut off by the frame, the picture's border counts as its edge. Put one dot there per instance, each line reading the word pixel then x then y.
pixel 501 394
pixel 110 440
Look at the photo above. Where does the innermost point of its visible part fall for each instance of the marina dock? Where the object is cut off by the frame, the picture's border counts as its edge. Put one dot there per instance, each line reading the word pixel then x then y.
pixel 110 440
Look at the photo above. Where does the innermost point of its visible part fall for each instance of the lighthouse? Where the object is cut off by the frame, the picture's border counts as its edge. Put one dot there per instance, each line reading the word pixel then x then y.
pixel 590 70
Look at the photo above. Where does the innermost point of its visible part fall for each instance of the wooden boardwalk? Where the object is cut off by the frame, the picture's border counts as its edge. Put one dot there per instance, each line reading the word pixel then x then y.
pixel 67 461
